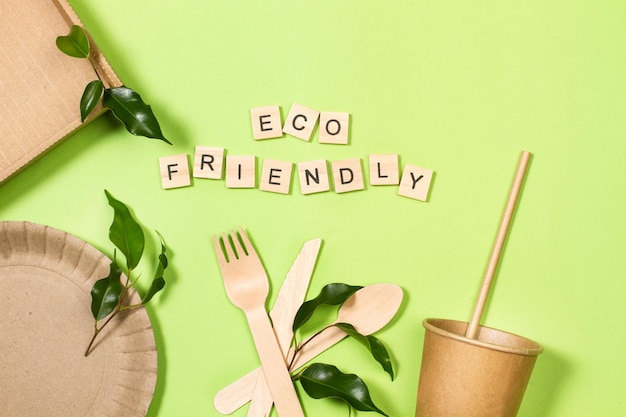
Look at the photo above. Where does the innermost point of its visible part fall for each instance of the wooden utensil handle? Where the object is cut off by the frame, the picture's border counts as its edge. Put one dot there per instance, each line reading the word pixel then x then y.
pixel 261 401
pixel 290 297
pixel 238 393
pixel 235 395
pixel 273 364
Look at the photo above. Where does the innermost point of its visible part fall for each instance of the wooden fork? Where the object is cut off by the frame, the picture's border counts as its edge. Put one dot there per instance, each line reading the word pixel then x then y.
pixel 247 287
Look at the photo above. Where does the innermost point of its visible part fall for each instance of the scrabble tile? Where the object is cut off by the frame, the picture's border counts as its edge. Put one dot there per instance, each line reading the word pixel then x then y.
pixel 300 121
pixel 334 128
pixel 241 171
pixel 174 171
pixel 276 176
pixel 313 176
pixel 208 162
pixel 266 122
pixel 347 175
pixel 415 182
pixel 384 169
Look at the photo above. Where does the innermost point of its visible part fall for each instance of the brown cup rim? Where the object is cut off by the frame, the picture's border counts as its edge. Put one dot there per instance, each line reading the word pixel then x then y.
pixel 533 348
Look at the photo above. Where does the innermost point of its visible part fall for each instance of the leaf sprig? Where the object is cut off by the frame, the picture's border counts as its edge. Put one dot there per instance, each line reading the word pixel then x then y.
pixel 109 295
pixel 126 104
pixel 321 380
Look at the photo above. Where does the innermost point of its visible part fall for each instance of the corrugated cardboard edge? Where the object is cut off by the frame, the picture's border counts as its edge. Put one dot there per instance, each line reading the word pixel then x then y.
pixel 108 76
pixel 109 79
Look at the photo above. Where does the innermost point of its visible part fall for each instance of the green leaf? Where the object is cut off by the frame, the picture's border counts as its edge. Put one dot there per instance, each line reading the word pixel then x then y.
pixel 125 232
pixel 375 346
pixel 91 97
pixel 326 381
pixel 331 294
pixel 157 285
pixel 75 44
pixel 105 293
pixel 128 107
pixel 158 282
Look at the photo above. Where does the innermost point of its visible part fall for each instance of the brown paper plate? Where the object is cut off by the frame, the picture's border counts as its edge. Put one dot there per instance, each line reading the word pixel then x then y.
pixel 46 277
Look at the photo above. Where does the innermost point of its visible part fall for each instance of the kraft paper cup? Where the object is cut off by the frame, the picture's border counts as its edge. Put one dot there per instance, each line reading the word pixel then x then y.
pixel 482 377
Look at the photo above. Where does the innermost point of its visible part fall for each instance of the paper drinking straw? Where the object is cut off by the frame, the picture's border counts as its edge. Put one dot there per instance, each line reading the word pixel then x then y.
pixel 505 223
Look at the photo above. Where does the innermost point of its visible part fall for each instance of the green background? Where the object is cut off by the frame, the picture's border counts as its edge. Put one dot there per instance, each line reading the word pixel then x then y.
pixel 458 87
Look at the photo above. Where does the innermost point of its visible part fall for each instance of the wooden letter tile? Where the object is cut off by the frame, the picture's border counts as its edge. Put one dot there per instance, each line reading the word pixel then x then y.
pixel 415 182
pixel 334 128
pixel 276 176
pixel 313 176
pixel 241 171
pixel 174 171
pixel 347 175
pixel 266 122
pixel 300 121
pixel 384 169
pixel 208 162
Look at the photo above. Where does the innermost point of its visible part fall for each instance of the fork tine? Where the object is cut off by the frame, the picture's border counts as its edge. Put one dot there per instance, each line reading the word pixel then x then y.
pixel 228 247
pixel 221 258
pixel 241 252
pixel 248 245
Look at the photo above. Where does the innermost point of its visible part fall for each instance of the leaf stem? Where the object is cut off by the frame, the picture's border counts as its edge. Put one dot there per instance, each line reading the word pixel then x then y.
pixel 93 339
pixel 91 58
pixel 98 330
pixel 302 345
pixel 118 308
pixel 130 307
pixel 297 376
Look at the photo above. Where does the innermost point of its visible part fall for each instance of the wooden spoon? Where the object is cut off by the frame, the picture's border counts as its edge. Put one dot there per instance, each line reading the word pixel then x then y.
pixel 368 310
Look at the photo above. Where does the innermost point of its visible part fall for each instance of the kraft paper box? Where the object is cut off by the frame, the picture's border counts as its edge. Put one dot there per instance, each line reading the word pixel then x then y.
pixel 40 87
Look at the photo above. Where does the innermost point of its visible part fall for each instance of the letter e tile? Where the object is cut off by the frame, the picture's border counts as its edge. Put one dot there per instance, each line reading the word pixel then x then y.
pixel 276 176
pixel 266 122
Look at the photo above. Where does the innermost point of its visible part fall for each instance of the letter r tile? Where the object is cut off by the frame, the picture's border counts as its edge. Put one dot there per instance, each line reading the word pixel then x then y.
pixel 174 171
pixel 208 162
pixel 415 182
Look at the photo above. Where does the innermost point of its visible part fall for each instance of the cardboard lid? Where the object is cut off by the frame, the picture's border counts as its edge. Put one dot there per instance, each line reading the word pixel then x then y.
pixel 46 277
pixel 40 87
